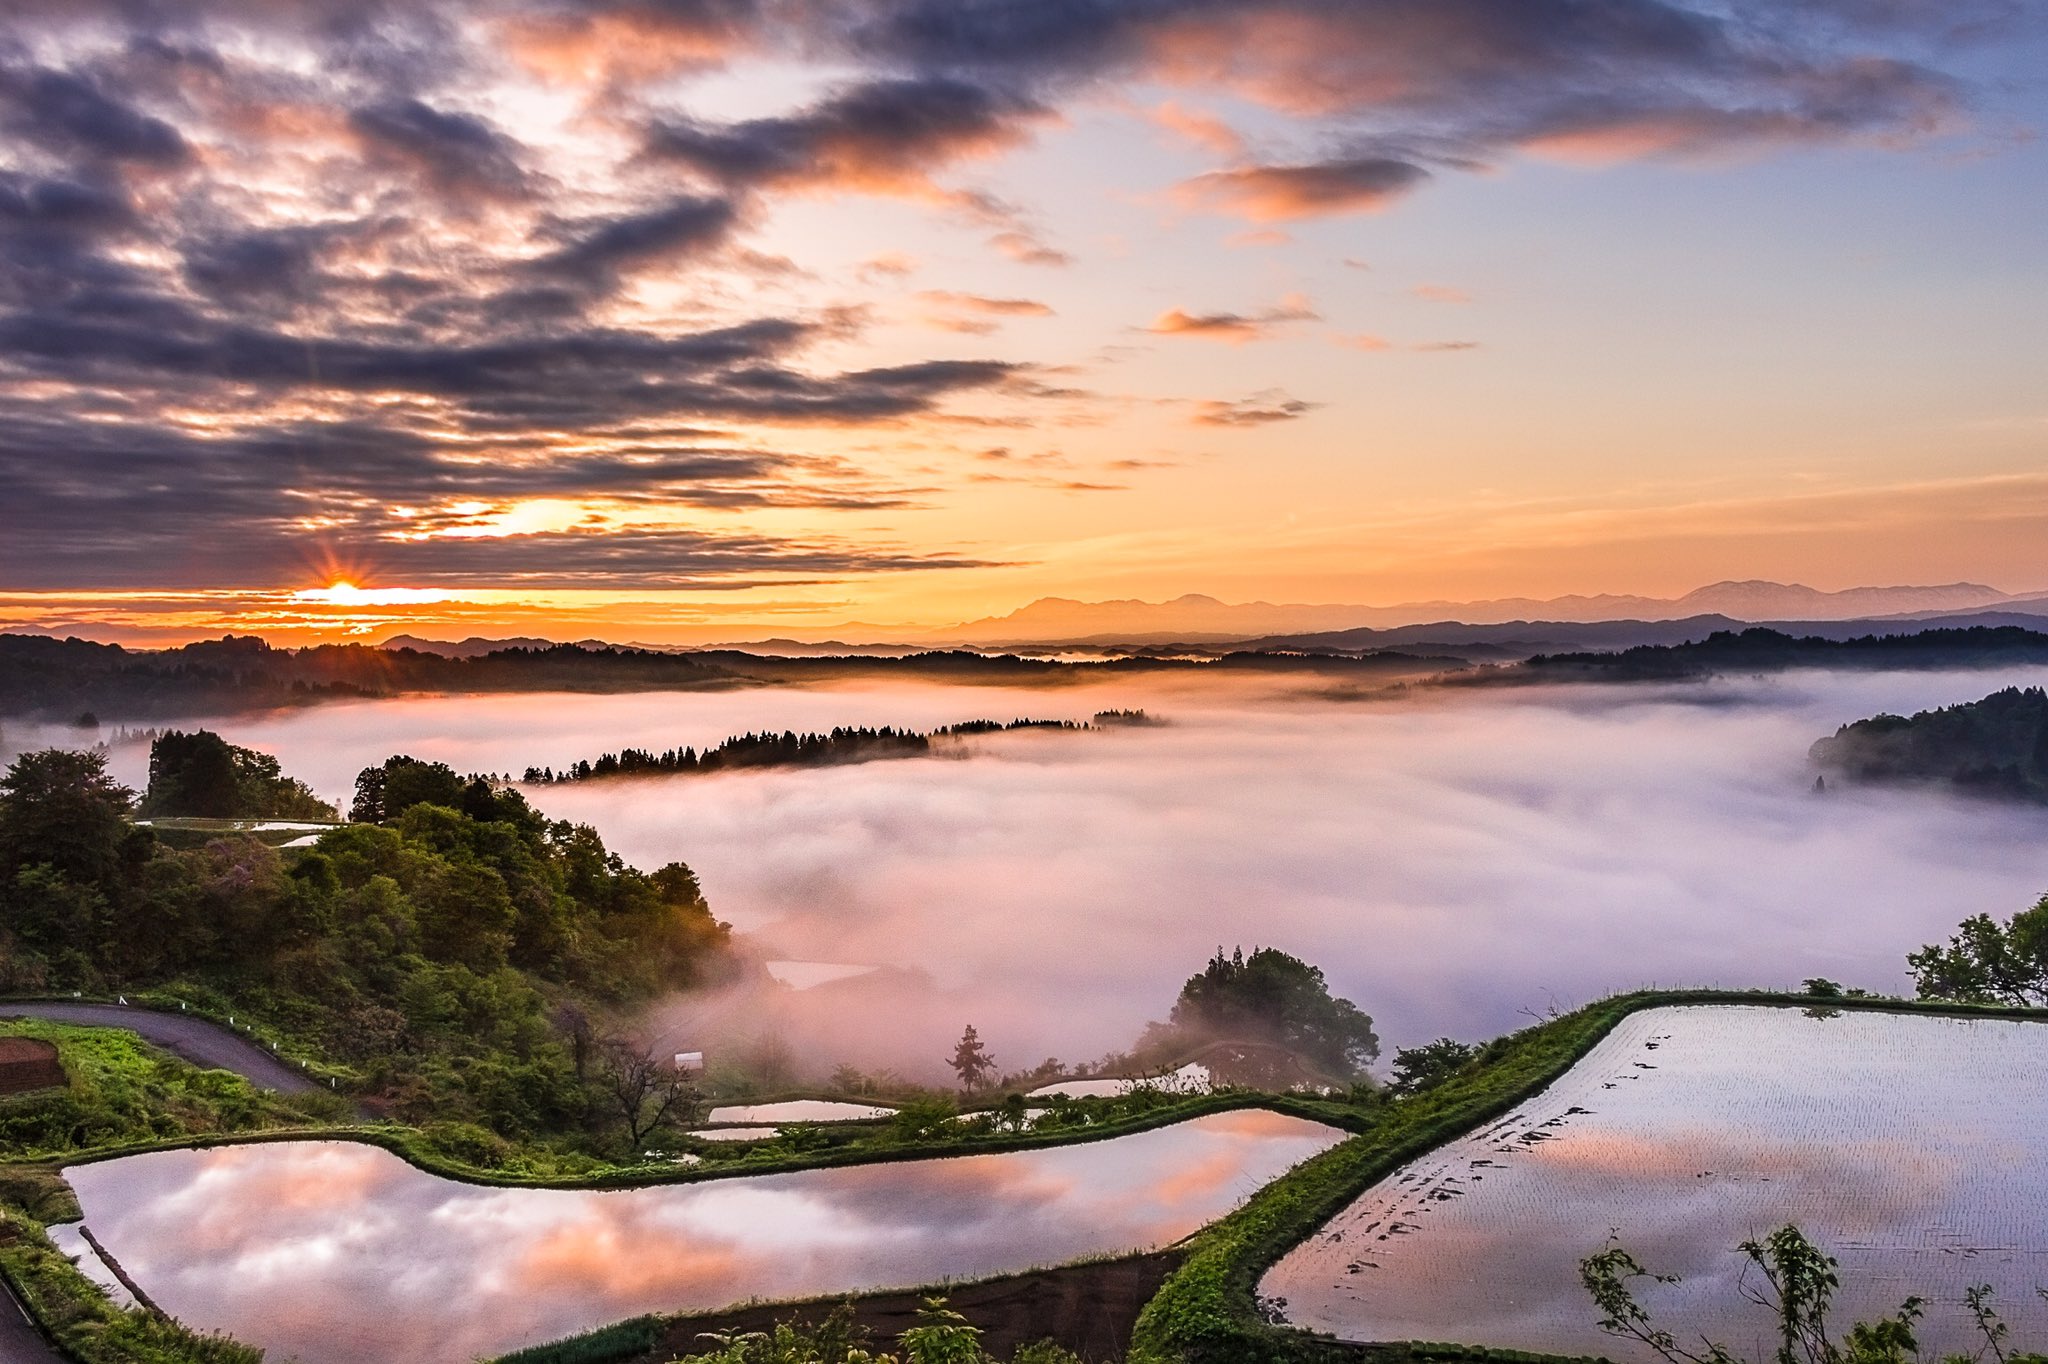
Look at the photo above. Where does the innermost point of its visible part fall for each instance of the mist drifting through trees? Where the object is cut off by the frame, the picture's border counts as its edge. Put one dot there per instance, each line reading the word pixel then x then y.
pixel 1449 861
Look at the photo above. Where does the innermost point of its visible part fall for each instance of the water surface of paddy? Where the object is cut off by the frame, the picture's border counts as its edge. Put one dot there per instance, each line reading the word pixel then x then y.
pixel 338 1253
pixel 1911 1146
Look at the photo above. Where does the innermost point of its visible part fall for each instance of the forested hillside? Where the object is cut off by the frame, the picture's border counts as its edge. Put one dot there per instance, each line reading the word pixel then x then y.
pixel 449 950
pixel 1997 746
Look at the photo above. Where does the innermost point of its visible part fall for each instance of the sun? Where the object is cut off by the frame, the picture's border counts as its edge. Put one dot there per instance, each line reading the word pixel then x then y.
pixel 342 592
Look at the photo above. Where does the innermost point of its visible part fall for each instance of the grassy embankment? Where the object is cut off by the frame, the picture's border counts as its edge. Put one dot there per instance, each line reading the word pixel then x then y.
pixel 121 1091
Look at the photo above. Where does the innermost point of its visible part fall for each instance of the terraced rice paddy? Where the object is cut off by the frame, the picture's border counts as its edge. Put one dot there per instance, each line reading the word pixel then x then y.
pixel 338 1253
pixel 1913 1147
pixel 799 1110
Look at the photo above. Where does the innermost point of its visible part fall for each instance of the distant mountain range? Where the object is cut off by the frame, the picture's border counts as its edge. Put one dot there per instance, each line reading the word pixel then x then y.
pixel 1197 619
pixel 1506 627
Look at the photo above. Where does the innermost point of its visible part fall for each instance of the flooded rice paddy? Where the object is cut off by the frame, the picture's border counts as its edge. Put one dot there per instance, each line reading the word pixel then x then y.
pixel 338 1253
pixel 799 1110
pixel 1911 1147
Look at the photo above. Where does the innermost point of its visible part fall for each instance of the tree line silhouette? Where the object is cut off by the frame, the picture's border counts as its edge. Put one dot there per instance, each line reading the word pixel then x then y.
pixel 842 744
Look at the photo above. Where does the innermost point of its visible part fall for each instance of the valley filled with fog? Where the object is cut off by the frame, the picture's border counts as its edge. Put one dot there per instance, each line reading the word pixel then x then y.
pixel 1455 859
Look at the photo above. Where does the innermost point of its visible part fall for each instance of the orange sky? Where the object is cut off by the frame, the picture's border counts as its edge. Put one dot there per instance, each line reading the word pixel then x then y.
pixel 661 325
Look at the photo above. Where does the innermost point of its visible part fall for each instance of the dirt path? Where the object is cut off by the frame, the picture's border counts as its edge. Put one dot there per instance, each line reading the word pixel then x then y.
pixel 196 1040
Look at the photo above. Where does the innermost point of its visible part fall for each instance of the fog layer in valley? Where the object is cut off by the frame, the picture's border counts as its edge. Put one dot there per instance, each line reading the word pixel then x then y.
pixel 1453 860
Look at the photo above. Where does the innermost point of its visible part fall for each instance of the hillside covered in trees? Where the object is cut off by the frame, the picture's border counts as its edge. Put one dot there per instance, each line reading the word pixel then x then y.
pixel 1994 747
pixel 65 679
pixel 1759 650
pixel 448 950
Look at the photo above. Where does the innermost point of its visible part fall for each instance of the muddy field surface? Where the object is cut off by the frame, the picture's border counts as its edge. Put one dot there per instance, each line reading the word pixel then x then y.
pixel 1090 1309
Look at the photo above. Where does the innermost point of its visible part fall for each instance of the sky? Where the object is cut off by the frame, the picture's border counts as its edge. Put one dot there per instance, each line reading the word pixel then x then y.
pixel 655 320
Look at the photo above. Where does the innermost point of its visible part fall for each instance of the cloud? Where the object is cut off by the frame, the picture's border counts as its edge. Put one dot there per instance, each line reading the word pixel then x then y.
pixel 876 137
pixel 887 265
pixel 981 303
pixel 1261 409
pixel 630 44
pixel 1441 84
pixel 1440 293
pixel 975 314
pixel 71 116
pixel 1266 194
pixel 595 255
pixel 1205 131
pixel 460 155
pixel 1025 248
pixel 119 507
pixel 1235 328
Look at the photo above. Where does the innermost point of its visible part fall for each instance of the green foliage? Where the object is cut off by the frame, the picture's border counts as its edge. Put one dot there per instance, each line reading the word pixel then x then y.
pixel 845 744
pixel 1273 997
pixel 60 809
pixel 1799 1282
pixel 399 783
pixel 971 1061
pixel 1425 1067
pixel 427 954
pixel 1996 747
pixel 624 1340
pixel 941 1336
pixel 202 774
pixel 925 1118
pixel 124 1091
pixel 1987 962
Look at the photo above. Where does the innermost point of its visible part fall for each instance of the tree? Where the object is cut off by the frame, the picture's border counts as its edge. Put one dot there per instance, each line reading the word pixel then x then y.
pixel 203 774
pixel 1798 1287
pixel 1987 962
pixel 971 1061
pixel 643 1091
pixel 1429 1065
pixel 397 784
pixel 192 774
pixel 59 808
pixel 1272 997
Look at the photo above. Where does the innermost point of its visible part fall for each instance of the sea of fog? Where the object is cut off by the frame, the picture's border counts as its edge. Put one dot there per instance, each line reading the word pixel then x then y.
pixel 1455 860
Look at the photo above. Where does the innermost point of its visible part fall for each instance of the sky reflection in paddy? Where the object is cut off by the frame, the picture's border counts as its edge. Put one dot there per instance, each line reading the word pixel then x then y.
pixel 335 1253
pixel 1685 1132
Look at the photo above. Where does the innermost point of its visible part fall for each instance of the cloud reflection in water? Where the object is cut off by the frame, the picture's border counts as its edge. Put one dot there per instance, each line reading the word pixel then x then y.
pixel 336 1253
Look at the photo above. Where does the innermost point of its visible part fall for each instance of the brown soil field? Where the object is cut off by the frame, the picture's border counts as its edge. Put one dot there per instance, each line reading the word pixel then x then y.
pixel 27 1063
pixel 1088 1308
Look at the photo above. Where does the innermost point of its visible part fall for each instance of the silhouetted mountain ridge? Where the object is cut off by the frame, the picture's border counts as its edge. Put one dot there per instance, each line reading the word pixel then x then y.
pixel 1195 618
